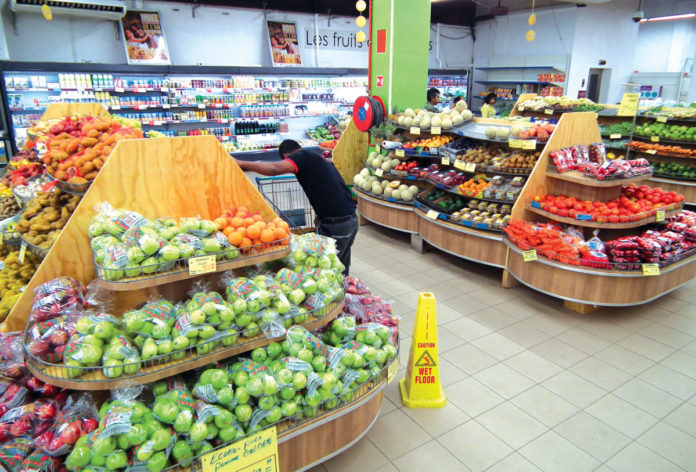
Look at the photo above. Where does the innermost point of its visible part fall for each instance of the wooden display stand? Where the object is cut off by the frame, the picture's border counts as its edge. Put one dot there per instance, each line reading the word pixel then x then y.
pixel 350 152
pixel 391 215
pixel 582 285
pixel 61 110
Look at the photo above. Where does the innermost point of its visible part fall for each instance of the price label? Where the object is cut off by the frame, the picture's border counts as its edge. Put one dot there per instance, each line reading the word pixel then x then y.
pixel 529 256
pixel 415 130
pixel 615 136
pixel 459 165
pixel 119 89
pixel 166 106
pixel 660 215
pixel 445 161
pixel 469 167
pixel 157 123
pixel 651 269
pixel 629 104
pixel 379 172
pixel 435 130
pixel 529 144
pixel 400 153
pixel 515 143
pixel 255 453
pixel 201 106
pixel 115 107
pixel 204 120
pixel 22 252
pixel 202 265
pixel 662 119
pixel 392 370
pixel 520 108
pixel 655 139
pixel 432 214
pixel 651 151
pixel 548 111
pixel 164 89
pixel 434 151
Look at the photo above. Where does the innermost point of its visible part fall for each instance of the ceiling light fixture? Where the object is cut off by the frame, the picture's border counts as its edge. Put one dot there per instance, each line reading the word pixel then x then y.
pixel 669 18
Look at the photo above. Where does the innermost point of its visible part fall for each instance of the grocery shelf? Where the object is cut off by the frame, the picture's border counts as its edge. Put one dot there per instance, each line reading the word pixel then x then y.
pixel 383 213
pixel 159 367
pixel 384 199
pixel 521 82
pixel 594 224
pixel 579 178
pixel 663 141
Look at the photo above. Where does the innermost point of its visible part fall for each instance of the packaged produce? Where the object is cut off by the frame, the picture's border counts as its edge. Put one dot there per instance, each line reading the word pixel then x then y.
pixel 14 276
pixel 45 216
pixel 11 356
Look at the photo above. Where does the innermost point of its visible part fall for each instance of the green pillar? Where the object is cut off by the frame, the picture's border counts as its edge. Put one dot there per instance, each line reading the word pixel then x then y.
pixel 402 28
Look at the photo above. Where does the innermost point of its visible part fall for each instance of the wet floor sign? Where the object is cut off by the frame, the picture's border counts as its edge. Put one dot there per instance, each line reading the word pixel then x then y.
pixel 421 388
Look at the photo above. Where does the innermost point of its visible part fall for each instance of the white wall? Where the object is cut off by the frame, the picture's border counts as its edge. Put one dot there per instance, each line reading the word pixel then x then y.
pixel 456 47
pixel 603 32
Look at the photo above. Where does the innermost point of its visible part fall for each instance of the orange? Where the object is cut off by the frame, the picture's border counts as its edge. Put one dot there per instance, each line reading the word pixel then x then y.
pixel 253 232
pixel 257 217
pixel 221 222
pixel 246 242
pixel 267 236
pixel 235 238
pixel 236 222
pixel 227 230
pixel 241 230
pixel 248 222
pixel 280 233
pixel 284 225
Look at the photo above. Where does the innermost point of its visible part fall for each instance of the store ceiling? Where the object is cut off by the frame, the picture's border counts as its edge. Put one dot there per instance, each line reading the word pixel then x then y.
pixel 451 12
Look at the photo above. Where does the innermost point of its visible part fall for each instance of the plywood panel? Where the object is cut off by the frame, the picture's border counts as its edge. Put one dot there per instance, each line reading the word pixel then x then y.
pixel 350 152
pixel 175 177
pixel 391 215
pixel 520 99
pixel 59 110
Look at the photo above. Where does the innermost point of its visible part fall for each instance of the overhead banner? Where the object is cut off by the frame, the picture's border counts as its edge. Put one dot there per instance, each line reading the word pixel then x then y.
pixel 144 39
pixel 285 49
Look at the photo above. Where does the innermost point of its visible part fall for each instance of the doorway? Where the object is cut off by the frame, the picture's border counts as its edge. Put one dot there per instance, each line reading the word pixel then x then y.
pixel 594 84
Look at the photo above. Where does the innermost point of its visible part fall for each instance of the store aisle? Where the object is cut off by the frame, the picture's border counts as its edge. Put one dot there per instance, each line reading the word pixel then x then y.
pixel 529 384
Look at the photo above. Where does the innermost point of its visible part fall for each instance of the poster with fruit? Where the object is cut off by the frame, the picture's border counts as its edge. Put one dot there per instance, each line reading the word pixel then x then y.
pixel 143 38
pixel 285 49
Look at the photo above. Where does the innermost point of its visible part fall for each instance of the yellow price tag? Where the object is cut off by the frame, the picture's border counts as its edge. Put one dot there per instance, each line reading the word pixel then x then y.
pixel 379 172
pixel 629 104
pixel 432 214
pixel 660 215
pixel 202 265
pixel 651 151
pixel 22 252
pixel 655 139
pixel 615 136
pixel 520 108
pixel 435 130
pixel 515 143
pixel 548 111
pixel 469 167
pixel 400 153
pixel 445 161
pixel 392 370
pixel 529 144
pixel 255 453
pixel 651 269
pixel 662 119
pixel 415 130
pixel 459 165
pixel 529 256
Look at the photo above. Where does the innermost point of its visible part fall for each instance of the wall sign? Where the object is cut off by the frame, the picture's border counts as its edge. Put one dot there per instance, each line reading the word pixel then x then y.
pixel 332 39
pixel 285 49
pixel 143 38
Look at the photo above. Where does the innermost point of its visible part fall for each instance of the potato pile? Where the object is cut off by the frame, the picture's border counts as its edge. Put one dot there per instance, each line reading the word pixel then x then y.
pixel 482 155
pixel 45 216
pixel 78 147
pixel 8 207
pixel 521 160
pixel 14 276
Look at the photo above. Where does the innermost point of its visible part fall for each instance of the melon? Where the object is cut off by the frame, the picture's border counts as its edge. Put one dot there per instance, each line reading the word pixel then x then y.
pixel 457 119
pixel 409 113
pixel 386 166
pixel 466 114
pixel 406 195
pixel 413 189
pixel 403 187
pixel 365 172
pixel 416 121
pixel 461 105
pixel 408 122
pixel 356 179
pixel 425 123
pixel 502 132
pixel 516 130
pixel 377 163
pixel 376 188
pixel 400 120
pixel 388 191
pixel 370 160
pixel 491 132
pixel 366 186
pixel 436 121
pixel 384 183
pixel 422 113
pixel 446 123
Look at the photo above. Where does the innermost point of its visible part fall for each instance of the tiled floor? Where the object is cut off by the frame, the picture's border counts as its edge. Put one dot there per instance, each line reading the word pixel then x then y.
pixel 530 385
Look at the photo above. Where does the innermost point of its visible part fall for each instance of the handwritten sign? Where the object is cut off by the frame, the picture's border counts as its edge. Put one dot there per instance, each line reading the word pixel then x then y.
pixel 445 161
pixel 529 144
pixel 662 119
pixel 415 130
pixel 392 370
pixel 379 172
pixel 515 143
pixel 202 265
pixel 660 215
pixel 629 104
pixel 529 256
pixel 256 453
pixel 655 139
pixel 469 167
pixel 435 130
pixel 615 136
pixel 459 165
pixel 651 269
pixel 400 153
pixel 432 214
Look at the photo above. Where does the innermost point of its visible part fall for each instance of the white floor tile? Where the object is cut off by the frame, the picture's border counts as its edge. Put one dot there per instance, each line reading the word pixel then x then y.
pixel 671 381
pixel 426 456
pixel 472 397
pixel 622 415
pixel 595 437
pixel 475 446
pixel 636 457
pixel 651 399
pixel 545 406
pixel 504 380
pixel 553 453
pixel 532 365
pixel 672 444
pixel 511 424
pixel 574 388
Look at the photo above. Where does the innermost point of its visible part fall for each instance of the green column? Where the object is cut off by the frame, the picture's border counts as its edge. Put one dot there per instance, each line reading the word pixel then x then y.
pixel 403 66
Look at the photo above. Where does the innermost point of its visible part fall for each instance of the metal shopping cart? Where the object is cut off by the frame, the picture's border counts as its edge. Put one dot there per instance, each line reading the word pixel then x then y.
pixel 289 201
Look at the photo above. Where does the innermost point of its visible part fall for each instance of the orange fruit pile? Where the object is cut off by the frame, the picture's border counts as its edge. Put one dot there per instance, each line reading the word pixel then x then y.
pixel 245 229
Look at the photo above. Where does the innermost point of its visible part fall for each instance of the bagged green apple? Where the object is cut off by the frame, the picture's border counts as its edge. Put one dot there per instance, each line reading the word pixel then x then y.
pixel 197 226
pixel 375 334
pixel 215 386
pixel 155 319
pixel 115 222
pixel 342 329
pixel 308 248
pixel 218 244
pixel 302 344
pixel 188 245
pixel 120 357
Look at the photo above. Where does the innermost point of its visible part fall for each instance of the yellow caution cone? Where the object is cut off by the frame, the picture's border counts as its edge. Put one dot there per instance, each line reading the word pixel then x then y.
pixel 421 388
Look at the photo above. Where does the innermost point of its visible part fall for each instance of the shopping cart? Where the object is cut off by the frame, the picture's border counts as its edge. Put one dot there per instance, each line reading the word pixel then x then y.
pixel 289 201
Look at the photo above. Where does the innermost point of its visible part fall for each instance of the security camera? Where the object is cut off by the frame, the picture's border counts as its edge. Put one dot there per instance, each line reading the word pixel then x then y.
pixel 639 15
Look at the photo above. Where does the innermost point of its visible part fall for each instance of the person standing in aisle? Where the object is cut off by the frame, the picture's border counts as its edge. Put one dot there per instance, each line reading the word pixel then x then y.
pixel 487 110
pixel 325 189
pixel 433 98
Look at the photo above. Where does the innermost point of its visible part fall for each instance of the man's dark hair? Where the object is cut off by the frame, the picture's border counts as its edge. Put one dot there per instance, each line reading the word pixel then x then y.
pixel 457 98
pixel 432 93
pixel 489 97
pixel 288 146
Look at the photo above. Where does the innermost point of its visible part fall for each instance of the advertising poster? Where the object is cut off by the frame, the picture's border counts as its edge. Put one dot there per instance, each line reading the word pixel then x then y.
pixel 285 49
pixel 144 39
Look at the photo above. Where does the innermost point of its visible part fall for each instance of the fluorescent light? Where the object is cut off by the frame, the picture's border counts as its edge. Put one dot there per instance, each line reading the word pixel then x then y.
pixel 668 18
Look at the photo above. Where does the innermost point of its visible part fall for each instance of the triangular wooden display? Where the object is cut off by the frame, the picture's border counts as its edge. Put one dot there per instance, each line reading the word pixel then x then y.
pixel 350 152
pixel 60 110
pixel 175 177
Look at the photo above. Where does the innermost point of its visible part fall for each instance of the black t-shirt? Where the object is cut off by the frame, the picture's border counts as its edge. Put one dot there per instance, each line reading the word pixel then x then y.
pixel 323 185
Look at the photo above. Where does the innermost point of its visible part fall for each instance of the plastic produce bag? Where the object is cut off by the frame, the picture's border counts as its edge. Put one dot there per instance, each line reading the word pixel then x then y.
pixel 56 297
pixel 11 355
pixel 14 452
pixel 74 421
pixel 47 340
pixel 39 461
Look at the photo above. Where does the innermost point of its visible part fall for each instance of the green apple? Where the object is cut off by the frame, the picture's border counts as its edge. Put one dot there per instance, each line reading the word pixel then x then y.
pixel 180 342
pixel 80 456
pixel 137 434
pixel 299 381
pixel 226 395
pixel 161 439
pixel 274 415
pixel 122 441
pixel 242 396
pixel 104 446
pixel 157 462
pixel 227 434
pixel 219 379
pixel 182 451
pixel 243 320
pixel 199 431
pixel 284 376
pixel 197 317
pixel 243 413
pixel 266 403
pixel 165 411
pixel 297 296
pixel 223 418
pixel 183 421
pixel 259 355
pixel 240 378
pixel 286 393
pixel 288 409
pixel 113 368
pixel 239 306
pixel 270 385
pixel 117 460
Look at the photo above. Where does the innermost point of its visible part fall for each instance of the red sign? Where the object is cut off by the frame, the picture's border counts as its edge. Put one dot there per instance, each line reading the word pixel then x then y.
pixel 381 41
pixel 380 81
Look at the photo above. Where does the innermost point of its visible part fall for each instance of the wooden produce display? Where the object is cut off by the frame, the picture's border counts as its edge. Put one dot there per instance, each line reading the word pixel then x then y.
pixel 580 285
pixel 60 110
